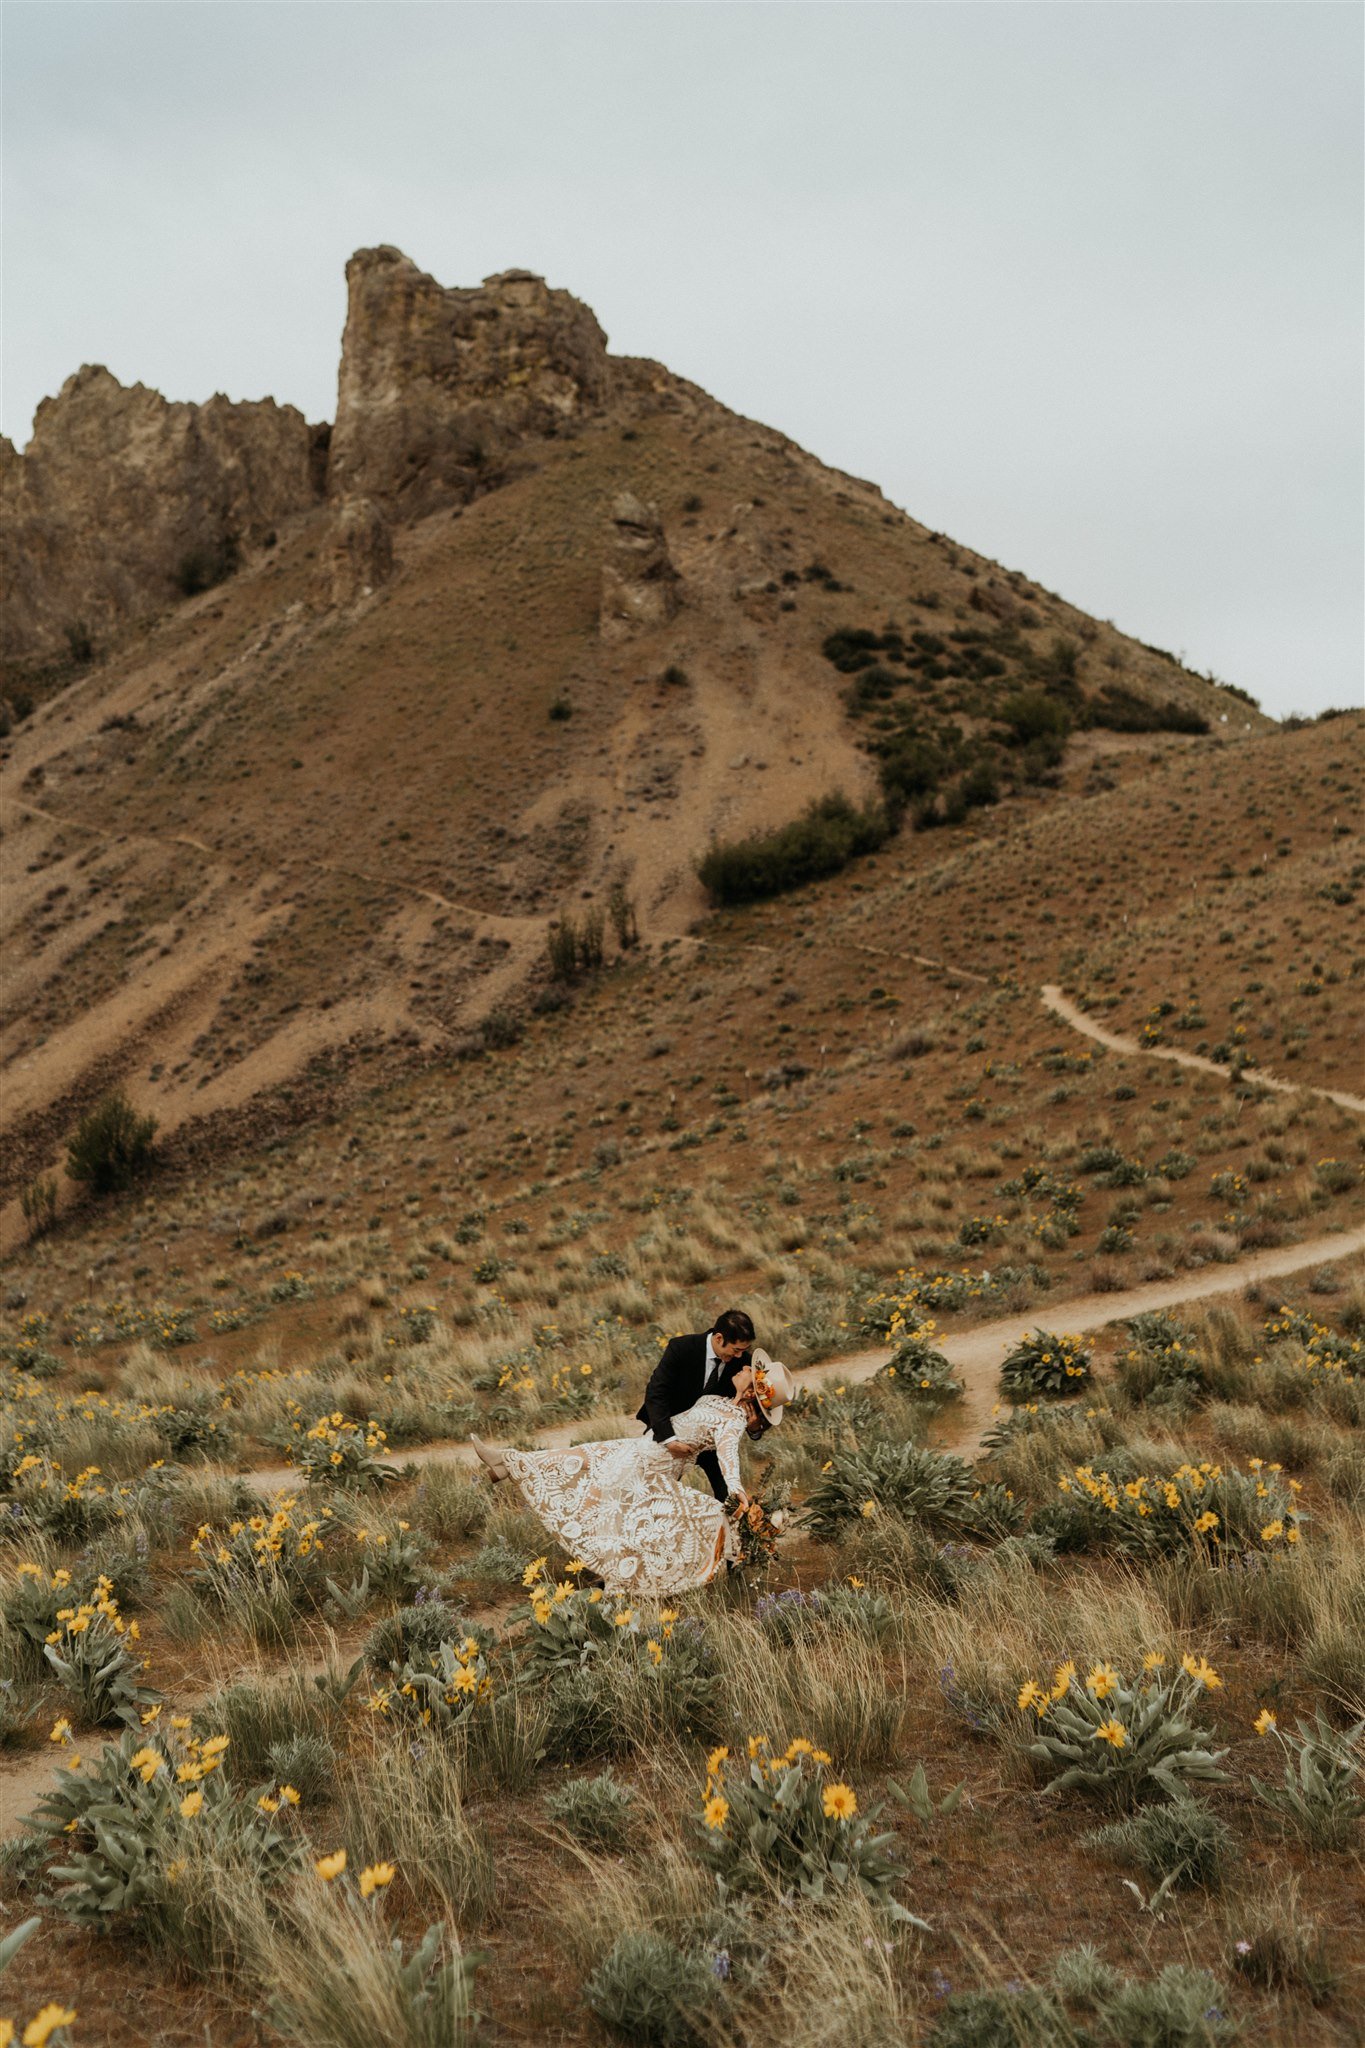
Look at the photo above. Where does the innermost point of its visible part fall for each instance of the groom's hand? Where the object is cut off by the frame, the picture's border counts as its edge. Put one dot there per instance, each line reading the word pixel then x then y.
pixel 681 1450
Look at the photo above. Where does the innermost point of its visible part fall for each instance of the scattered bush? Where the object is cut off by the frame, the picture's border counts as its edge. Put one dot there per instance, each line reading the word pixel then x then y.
pixel 650 1991
pixel 597 1812
pixel 1178 1845
pixel 890 1478
pixel 828 835
pixel 38 1205
pixel 112 1147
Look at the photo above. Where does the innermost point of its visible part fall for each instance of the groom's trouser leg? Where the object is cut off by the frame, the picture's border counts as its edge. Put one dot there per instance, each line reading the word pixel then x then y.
pixel 709 1463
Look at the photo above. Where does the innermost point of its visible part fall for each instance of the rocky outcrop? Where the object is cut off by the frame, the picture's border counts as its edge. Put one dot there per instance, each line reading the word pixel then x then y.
pixel 640 586
pixel 360 551
pixel 438 385
pixel 124 500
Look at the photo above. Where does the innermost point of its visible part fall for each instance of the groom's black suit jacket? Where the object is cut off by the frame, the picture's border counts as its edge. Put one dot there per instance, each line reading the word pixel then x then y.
pixel 675 1383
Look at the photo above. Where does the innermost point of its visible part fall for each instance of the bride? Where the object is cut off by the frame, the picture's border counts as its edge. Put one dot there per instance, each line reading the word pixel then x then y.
pixel 620 1507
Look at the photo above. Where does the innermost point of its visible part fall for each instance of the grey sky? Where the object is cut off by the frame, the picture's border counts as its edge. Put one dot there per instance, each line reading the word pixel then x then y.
pixel 1080 284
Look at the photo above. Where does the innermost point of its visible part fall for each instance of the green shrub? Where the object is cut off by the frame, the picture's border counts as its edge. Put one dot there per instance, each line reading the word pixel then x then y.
pixel 1121 710
pixel 201 568
pixel 1178 2008
pixel 263 1716
pixel 1021 2017
pixel 824 839
pixel 1045 1364
pixel 307 1762
pixel 886 1477
pixel 333 1451
pixel 652 1992
pixel 38 1204
pixel 1119 1741
pixel 1178 1845
pixel 500 1029
pixel 438 1689
pixel 414 1633
pixel 597 1812
pixel 112 1146
pixel 1162 1359
pixel 1033 715
pixel 793 1616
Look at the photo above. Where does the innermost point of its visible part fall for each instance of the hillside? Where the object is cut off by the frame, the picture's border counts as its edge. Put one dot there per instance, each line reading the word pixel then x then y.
pixel 331 804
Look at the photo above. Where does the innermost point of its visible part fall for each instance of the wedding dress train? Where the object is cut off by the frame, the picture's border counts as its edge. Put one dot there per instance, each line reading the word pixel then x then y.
pixel 620 1507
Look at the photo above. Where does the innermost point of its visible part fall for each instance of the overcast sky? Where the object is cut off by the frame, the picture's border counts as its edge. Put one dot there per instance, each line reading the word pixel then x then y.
pixel 1079 284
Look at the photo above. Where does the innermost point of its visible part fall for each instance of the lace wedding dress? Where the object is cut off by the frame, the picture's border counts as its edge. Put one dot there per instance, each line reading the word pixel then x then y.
pixel 622 1509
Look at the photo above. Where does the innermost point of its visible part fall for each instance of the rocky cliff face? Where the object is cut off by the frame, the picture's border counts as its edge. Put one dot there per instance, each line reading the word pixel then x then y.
pixel 124 500
pixel 437 385
pixel 640 585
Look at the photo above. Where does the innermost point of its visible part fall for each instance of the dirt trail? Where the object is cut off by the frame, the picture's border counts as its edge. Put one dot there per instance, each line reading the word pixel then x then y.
pixel 976 1353
pixel 1063 1007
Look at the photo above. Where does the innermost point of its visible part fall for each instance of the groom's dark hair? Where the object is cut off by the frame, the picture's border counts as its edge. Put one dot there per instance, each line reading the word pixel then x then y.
pixel 734 1327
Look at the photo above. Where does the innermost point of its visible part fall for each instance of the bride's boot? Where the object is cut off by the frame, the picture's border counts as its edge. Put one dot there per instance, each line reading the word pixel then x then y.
pixel 496 1468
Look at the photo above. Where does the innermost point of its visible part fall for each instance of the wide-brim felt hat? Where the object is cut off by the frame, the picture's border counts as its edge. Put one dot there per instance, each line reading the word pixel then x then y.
pixel 778 1383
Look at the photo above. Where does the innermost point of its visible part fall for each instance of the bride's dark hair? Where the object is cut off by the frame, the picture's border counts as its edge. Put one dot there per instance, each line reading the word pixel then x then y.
pixel 734 1327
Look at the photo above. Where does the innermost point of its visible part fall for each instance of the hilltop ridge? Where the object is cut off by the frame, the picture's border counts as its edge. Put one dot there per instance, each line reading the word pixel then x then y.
pixel 524 632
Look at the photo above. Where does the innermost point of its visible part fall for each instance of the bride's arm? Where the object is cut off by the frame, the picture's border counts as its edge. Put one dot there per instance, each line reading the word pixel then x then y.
pixel 728 1431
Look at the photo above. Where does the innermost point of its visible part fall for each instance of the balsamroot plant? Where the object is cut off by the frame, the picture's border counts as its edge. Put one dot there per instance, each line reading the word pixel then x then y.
pixel 1124 1742
pixel 777 1823
pixel 333 1450
pixel 126 1824
pixel 1320 1795
pixel 1212 1508
pixel 917 1368
pixel 1044 1365
pixel 439 1689
pixel 883 1476
pixel 89 1651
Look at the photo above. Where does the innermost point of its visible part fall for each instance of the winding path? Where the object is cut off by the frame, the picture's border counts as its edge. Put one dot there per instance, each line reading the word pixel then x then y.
pixel 977 1353
pixel 1070 1013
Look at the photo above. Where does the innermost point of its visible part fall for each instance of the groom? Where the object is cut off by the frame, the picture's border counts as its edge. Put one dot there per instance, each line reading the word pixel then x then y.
pixel 690 1367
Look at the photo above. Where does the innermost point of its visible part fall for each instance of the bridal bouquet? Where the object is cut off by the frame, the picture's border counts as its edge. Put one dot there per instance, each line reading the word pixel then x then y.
pixel 759 1525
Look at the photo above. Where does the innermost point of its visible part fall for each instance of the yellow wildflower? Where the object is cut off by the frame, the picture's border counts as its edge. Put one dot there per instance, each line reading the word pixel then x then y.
pixel 1265 1721
pixel 1112 1732
pixel 45 2023
pixel 840 1802
pixel 330 1866
pixel 1102 1681
pixel 716 1811
pixel 191 1804
pixel 374 1877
